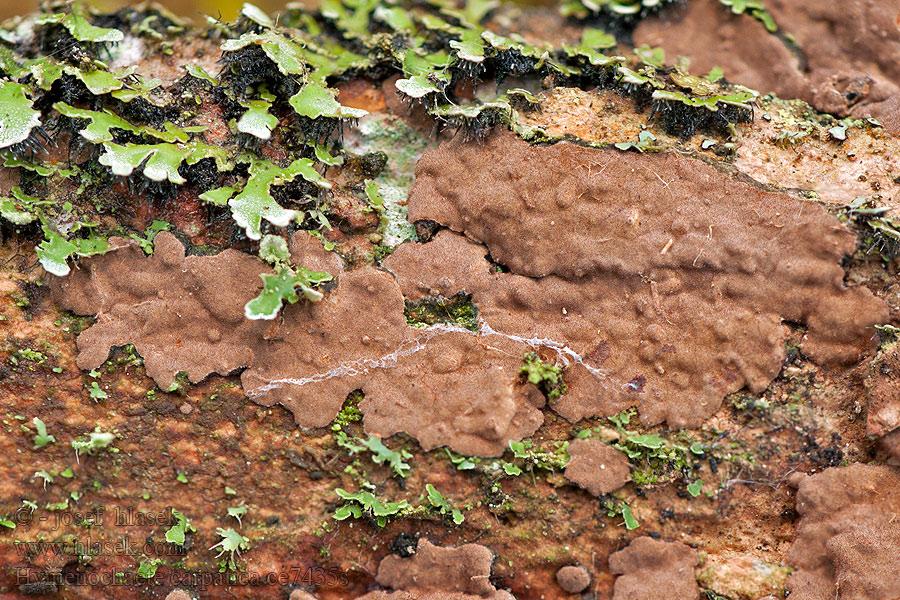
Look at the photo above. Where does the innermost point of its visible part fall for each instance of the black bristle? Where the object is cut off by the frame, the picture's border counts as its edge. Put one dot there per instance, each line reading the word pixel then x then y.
pixel 203 174
pixel 249 67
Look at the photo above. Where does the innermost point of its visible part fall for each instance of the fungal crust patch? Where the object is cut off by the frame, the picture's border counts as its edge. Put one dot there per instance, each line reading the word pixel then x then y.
pixel 597 467
pixel 648 566
pixel 443 385
pixel 666 281
pixel 883 394
pixel 848 538
pixel 464 570
pixel 182 313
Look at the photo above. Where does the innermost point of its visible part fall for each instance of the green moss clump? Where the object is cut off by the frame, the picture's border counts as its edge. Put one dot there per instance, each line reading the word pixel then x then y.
pixel 459 310
pixel 878 232
pixel 547 377
pixel 350 412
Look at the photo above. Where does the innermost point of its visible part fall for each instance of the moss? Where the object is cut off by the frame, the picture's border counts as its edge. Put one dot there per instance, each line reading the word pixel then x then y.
pixel 350 412
pixel 381 454
pixel 659 458
pixel 623 10
pixel 889 335
pixel 754 8
pixel 748 403
pixel 437 500
pixel 547 377
pixel 361 503
pixel 622 511
pixel 180 385
pixel 532 458
pixel 458 310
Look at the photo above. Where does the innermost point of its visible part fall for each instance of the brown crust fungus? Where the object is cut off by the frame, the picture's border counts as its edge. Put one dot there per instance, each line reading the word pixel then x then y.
pixel 182 313
pixel 597 467
pixel 883 394
pixel 848 537
pixel 464 571
pixel 442 385
pixel 649 568
pixel 573 578
pixel 664 282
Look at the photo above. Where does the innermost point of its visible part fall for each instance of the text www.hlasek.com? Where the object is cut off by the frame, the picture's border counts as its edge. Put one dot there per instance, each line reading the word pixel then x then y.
pixel 198 580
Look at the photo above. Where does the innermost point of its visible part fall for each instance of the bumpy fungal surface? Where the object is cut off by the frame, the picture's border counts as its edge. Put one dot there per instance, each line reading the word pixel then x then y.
pixel 891 443
pixel 598 468
pixel 648 568
pixel 669 292
pixel 847 538
pixel 442 385
pixel 182 313
pixel 464 571
pixel 883 392
pixel 865 562
pixel 787 147
pixel 307 250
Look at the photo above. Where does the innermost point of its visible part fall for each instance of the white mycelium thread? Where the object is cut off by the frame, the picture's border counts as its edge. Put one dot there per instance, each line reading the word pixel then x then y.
pixel 410 347
pixel 363 365
pixel 563 351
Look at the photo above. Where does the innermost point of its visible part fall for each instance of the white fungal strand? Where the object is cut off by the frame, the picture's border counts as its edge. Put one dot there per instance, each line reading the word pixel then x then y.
pixel 410 347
